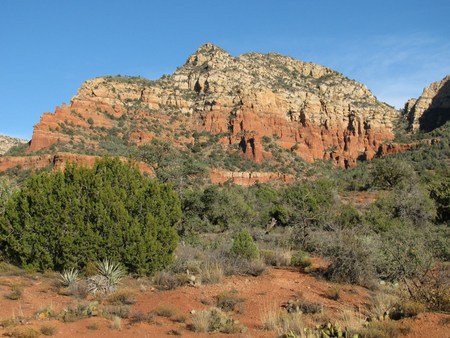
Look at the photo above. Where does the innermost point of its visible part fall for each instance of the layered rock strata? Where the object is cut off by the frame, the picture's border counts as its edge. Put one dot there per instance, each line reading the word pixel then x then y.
pixel 247 100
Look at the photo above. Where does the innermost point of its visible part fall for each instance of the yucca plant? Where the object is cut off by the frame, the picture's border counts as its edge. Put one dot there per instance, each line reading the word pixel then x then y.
pixel 109 276
pixel 68 277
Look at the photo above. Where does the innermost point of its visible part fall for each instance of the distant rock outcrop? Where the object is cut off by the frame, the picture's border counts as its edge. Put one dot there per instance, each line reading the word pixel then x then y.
pixel 312 110
pixel 432 109
pixel 57 161
pixel 7 142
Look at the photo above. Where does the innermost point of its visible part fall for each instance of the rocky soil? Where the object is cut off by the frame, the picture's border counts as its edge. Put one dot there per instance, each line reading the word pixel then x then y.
pixel 40 303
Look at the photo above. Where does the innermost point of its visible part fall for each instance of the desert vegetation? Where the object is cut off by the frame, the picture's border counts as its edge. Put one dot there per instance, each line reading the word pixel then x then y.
pixel 110 234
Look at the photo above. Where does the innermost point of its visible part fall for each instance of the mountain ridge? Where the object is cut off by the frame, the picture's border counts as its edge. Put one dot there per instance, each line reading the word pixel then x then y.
pixel 308 109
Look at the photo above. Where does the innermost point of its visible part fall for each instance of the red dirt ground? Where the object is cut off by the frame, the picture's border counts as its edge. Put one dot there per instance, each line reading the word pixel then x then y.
pixel 268 291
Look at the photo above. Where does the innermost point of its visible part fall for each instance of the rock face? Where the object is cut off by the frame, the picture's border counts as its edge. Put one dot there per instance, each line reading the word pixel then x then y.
pixel 248 178
pixel 247 100
pixel 7 142
pixel 432 108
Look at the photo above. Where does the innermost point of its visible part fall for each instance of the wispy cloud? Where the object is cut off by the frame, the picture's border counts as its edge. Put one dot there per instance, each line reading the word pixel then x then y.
pixel 396 68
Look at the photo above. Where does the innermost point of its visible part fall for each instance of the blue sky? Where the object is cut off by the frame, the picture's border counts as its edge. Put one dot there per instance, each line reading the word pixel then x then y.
pixel 48 48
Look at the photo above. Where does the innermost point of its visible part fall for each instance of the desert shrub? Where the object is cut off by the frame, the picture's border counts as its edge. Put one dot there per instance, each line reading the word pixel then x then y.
pixel 276 257
pixel 234 266
pixel 48 330
pixel 390 172
pixel 214 320
pixel 108 277
pixel 164 311
pixel 141 317
pixel 68 277
pixel 116 323
pixel 16 292
pixel 440 193
pixel 351 256
pixel 111 311
pixel 300 304
pixel 67 219
pixel 167 280
pixel 122 297
pixel 23 332
pixel 211 273
pixel 286 324
pixel 308 204
pixel 333 293
pixel 80 311
pixel 6 190
pixel 404 253
pixel 383 329
pixel 244 246
pixel 301 259
pixel 407 308
pixel 215 209
pixel 228 300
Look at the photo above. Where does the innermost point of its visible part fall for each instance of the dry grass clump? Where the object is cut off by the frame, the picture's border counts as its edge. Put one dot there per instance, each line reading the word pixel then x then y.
pixel 214 320
pixel 333 293
pixel 168 280
pixel 383 303
pixel 283 322
pixel 116 323
pixel 48 330
pixel 277 257
pixel 122 297
pixel 164 311
pixel 212 273
pixel 384 329
pixel 299 304
pixel 228 300
pixel 141 317
pixel 23 332
pixel 16 292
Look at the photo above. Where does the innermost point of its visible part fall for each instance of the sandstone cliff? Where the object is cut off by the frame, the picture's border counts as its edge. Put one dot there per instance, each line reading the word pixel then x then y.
pixel 247 100
pixel 432 108
pixel 7 142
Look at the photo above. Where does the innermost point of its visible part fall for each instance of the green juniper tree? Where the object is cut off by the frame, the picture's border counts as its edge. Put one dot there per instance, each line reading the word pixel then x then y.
pixel 67 219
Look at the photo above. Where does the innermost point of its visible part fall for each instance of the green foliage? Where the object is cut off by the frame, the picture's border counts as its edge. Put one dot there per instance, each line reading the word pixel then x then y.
pixel 404 253
pixel 215 209
pixel 68 277
pixel 67 219
pixel 244 246
pixel 351 254
pixel 440 193
pixel 6 190
pixel 390 172
pixel 301 259
pixel 109 276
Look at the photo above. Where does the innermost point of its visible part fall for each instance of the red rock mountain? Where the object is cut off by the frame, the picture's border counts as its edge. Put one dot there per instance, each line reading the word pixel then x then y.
pixel 247 100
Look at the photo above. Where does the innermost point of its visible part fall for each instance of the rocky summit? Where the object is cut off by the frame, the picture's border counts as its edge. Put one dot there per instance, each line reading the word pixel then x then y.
pixel 246 101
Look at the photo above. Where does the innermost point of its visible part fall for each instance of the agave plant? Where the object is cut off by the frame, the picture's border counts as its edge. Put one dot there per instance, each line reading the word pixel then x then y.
pixel 109 276
pixel 68 277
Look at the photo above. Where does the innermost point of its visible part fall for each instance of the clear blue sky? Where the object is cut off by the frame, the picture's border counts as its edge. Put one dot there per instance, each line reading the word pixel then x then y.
pixel 48 48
